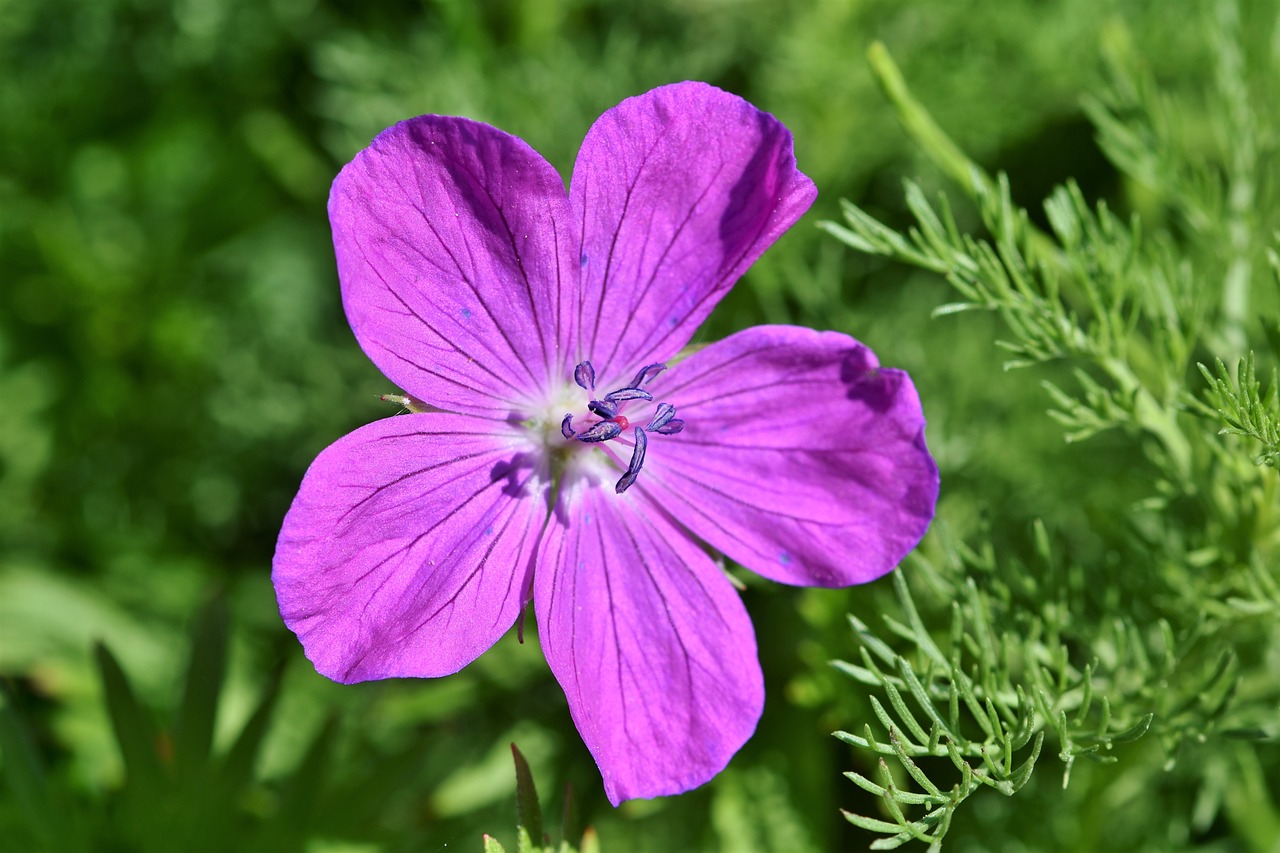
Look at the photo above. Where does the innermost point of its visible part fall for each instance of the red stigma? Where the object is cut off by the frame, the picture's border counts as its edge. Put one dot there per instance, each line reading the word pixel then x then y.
pixel 621 421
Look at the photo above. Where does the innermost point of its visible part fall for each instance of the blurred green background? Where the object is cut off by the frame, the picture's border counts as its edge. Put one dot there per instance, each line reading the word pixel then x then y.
pixel 173 355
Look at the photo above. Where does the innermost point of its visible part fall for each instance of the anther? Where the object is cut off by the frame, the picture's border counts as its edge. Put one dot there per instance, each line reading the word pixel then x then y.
pixel 665 421
pixel 605 408
pixel 637 462
pixel 585 375
pixel 623 394
pixel 566 428
pixel 602 431
pixel 647 373
pixel 662 416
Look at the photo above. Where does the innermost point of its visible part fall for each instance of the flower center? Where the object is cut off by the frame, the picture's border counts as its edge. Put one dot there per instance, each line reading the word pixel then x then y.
pixel 611 423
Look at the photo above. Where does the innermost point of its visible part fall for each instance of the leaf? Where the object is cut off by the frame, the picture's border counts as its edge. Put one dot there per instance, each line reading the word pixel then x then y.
pixel 1134 732
pixel 193 729
pixel 237 767
pixel 570 821
pixel 528 812
pixel 308 776
pixel 870 823
pixel 293 819
pixel 135 733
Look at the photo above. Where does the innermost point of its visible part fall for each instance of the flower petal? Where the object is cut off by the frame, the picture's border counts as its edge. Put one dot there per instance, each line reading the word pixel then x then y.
pixel 801 458
pixel 677 191
pixel 650 642
pixel 408 547
pixel 451 238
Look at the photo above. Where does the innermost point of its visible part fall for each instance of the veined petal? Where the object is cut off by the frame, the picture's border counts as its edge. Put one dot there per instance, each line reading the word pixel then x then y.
pixel 677 192
pixel 801 458
pixel 451 238
pixel 650 642
pixel 408 547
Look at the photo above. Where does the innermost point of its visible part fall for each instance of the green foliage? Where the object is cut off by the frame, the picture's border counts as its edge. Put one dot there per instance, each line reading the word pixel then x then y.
pixel 177 791
pixel 173 354
pixel 1246 412
pixel 529 835
pixel 184 788
pixel 1167 631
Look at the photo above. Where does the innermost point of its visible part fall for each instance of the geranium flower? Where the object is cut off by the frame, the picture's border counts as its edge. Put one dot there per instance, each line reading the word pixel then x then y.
pixel 558 452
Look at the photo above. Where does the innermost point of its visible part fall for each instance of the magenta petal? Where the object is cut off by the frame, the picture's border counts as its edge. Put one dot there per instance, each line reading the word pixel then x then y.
pixel 407 549
pixel 678 191
pixel 651 644
pixel 801 458
pixel 451 238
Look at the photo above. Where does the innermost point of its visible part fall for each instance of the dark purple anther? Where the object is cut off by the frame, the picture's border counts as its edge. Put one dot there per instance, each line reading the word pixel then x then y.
pixel 604 408
pixel 671 427
pixel 637 462
pixel 585 375
pixel 565 426
pixel 623 394
pixel 647 373
pixel 662 416
pixel 602 431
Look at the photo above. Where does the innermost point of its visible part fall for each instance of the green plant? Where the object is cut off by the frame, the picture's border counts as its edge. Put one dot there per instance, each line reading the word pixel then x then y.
pixel 1165 628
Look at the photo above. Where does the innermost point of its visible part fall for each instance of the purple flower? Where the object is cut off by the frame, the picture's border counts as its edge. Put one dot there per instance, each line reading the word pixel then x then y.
pixel 565 455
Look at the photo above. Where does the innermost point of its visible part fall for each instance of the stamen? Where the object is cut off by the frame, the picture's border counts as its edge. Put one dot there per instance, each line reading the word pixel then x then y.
pixel 662 416
pixel 613 424
pixel 602 431
pixel 637 462
pixel 585 375
pixel 647 373
pixel 605 408
pixel 623 394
